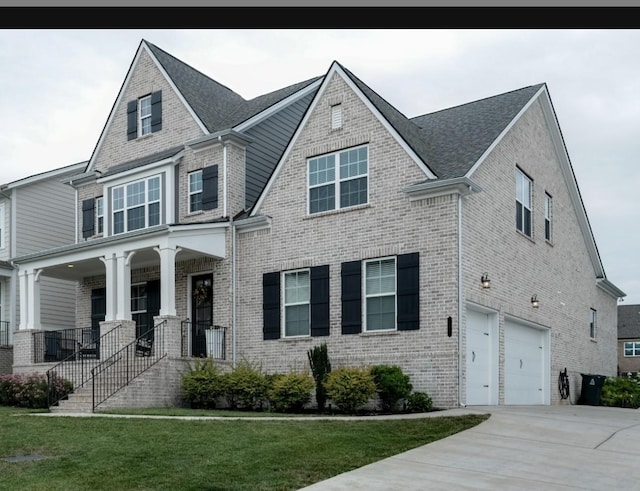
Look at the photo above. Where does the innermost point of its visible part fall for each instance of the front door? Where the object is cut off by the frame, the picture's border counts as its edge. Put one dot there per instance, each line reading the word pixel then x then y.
pixel 98 314
pixel 201 312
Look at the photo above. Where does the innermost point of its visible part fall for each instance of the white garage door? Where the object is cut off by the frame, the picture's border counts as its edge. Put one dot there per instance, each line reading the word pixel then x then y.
pixel 481 383
pixel 524 364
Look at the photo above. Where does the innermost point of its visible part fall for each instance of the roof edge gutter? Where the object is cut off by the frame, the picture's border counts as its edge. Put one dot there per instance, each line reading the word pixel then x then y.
pixel 460 185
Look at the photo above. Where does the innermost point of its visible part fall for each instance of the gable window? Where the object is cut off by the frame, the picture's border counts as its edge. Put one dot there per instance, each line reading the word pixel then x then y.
pixel 336 116
pixel 195 191
pixel 523 203
pixel 632 348
pixel 338 180
pixel 592 324
pixel 548 213
pixel 297 295
pixel 296 303
pixel 136 205
pixel 99 215
pixel 381 294
pixel 144 115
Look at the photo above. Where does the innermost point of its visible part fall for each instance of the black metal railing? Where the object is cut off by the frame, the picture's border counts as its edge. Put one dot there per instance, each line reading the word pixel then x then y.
pixel 4 333
pixel 118 370
pixel 200 340
pixel 77 351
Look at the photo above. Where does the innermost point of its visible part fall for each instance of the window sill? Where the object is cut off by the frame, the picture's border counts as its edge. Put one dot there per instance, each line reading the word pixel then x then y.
pixel 522 234
pixel 593 340
pixel 336 212
pixel 291 339
pixel 386 332
pixel 194 213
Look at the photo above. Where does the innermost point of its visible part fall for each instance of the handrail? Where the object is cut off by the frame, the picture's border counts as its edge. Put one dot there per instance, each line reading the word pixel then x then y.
pixel 118 370
pixel 75 366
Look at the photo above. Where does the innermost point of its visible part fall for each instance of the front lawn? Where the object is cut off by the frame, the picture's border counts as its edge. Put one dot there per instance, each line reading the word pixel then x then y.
pixel 168 454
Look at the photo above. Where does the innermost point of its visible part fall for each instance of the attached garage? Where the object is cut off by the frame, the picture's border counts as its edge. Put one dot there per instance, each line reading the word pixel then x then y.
pixel 482 357
pixel 526 363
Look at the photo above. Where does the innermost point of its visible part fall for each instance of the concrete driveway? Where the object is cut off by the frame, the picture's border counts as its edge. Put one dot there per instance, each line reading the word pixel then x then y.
pixel 517 448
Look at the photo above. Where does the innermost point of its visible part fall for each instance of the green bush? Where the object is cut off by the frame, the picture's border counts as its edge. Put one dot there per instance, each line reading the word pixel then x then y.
pixel 320 368
pixel 30 391
pixel 350 388
pixel 246 386
pixel 419 402
pixel 289 393
pixel 392 385
pixel 621 392
pixel 203 384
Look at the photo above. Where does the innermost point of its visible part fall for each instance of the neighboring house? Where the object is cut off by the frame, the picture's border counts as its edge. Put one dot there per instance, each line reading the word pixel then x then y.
pixel 36 213
pixel 628 339
pixel 209 225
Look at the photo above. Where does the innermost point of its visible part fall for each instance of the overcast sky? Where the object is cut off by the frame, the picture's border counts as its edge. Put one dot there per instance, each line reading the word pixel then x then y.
pixel 57 88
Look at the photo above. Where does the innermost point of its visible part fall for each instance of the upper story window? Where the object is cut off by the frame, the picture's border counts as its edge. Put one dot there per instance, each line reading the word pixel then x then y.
pixel 523 202
pixel 336 116
pixel 136 205
pixel 195 191
pixel 593 324
pixel 632 348
pixel 99 215
pixel 297 311
pixel 548 215
pixel 338 180
pixel 144 115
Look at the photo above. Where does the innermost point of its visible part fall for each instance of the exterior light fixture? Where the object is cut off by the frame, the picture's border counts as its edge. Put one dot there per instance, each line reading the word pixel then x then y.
pixel 534 302
pixel 484 281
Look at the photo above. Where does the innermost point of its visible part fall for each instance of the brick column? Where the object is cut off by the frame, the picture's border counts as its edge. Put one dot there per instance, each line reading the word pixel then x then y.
pixel 23 347
pixel 117 334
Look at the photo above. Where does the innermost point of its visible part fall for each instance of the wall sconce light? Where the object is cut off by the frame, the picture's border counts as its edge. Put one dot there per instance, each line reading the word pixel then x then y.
pixel 484 281
pixel 534 302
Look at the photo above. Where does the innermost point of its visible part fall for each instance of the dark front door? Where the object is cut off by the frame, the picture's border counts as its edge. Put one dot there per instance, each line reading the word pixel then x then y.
pixel 201 312
pixel 98 313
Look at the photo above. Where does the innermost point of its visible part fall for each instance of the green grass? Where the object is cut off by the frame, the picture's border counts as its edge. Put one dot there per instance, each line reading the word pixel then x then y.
pixel 170 454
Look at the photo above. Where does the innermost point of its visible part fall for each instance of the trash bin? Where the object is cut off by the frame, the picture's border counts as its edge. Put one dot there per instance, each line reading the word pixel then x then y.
pixel 591 389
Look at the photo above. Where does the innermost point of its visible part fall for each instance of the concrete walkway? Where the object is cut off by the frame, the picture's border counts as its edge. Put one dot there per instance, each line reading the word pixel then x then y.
pixel 517 448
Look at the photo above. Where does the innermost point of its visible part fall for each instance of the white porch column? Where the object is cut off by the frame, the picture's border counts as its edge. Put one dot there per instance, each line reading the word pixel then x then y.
pixel 123 285
pixel 168 279
pixel 30 299
pixel 111 287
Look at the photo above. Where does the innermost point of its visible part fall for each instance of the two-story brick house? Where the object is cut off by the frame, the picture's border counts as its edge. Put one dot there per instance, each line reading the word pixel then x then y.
pixel 628 339
pixel 320 213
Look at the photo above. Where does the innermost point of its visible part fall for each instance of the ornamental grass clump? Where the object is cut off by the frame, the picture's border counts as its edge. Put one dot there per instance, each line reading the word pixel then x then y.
pixel 203 384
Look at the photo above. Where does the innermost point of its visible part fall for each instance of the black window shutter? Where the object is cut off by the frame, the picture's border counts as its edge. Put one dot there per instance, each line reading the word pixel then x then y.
pixel 210 187
pixel 408 266
pixel 88 216
pixel 153 298
pixel 320 301
pixel 271 305
pixel 351 297
pixel 132 120
pixel 156 111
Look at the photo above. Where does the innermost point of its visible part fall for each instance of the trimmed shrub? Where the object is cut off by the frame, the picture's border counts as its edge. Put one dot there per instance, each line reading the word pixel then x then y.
pixel 289 393
pixel 30 391
pixel 621 392
pixel 350 388
pixel 320 368
pixel 203 384
pixel 419 402
pixel 246 386
pixel 392 385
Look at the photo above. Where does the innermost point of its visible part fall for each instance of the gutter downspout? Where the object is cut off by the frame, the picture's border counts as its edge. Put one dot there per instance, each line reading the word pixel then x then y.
pixel 224 176
pixel 460 403
pixel 233 294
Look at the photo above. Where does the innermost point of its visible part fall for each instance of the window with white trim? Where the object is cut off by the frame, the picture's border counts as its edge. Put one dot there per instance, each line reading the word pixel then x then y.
pixel 336 116
pixel 632 348
pixel 338 180
pixel 523 202
pixel 136 205
pixel 195 191
pixel 297 296
pixel 548 214
pixel 2 226
pixel 593 324
pixel 99 215
pixel 144 115
pixel 380 294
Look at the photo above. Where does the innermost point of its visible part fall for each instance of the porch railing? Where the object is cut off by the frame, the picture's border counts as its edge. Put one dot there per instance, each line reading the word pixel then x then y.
pixel 79 349
pixel 202 340
pixel 118 370
pixel 4 333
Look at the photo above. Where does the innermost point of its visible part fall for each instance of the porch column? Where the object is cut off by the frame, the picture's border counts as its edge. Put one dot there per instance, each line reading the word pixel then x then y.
pixel 29 299
pixel 168 279
pixel 123 285
pixel 111 287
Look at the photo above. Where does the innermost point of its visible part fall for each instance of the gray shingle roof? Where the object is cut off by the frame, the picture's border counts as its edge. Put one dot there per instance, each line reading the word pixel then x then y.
pixel 147 159
pixel 628 321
